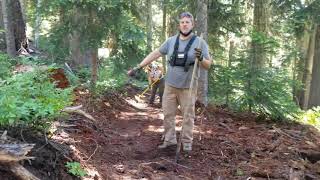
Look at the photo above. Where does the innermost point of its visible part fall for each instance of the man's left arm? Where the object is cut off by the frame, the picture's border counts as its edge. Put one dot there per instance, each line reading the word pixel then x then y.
pixel 206 63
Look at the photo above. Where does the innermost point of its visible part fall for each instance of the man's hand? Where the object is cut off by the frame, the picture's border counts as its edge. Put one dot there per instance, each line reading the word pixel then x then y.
pixel 133 71
pixel 198 53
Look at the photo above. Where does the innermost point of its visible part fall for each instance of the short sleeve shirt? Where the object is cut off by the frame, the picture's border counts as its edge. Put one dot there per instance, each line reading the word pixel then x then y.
pixel 176 75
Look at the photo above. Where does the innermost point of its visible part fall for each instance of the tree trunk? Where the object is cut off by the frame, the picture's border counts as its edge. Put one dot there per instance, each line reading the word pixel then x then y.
pixel 259 54
pixel 303 43
pixel 314 99
pixel 94 69
pixel 19 25
pixel 149 25
pixel 231 57
pixel 172 26
pixel 202 19
pixel 202 28
pixel 164 30
pixel 23 9
pixel 260 24
pixel 2 33
pixel 81 57
pixel 304 97
pixel 37 24
pixel 8 26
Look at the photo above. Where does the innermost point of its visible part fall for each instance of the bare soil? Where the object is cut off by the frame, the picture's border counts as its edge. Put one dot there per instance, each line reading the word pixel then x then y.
pixel 122 144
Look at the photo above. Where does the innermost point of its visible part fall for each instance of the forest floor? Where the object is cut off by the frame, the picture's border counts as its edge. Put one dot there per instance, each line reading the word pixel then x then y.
pixel 122 144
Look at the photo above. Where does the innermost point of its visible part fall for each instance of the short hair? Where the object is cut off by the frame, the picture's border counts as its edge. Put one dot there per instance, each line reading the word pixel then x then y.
pixel 186 14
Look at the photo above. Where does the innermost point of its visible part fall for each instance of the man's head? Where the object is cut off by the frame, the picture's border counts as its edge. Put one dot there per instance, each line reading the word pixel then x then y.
pixel 186 23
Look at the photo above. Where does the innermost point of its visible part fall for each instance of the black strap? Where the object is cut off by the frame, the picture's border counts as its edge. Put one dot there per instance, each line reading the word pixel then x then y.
pixel 175 50
pixel 189 44
pixel 186 50
pixel 176 45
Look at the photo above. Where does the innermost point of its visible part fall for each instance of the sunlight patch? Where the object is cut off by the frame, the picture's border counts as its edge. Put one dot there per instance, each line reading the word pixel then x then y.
pixel 136 104
pixel 158 129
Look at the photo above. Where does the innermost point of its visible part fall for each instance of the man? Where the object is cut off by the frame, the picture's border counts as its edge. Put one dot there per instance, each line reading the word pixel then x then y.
pixel 156 81
pixel 181 50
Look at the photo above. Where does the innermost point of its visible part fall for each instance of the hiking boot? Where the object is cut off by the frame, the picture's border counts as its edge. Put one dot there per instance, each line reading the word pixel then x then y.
pixel 166 144
pixel 187 147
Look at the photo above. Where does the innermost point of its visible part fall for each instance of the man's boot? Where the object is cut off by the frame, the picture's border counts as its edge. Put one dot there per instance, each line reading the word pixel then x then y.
pixel 166 144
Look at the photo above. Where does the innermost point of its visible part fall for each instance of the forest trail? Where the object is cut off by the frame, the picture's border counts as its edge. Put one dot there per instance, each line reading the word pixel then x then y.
pixel 122 144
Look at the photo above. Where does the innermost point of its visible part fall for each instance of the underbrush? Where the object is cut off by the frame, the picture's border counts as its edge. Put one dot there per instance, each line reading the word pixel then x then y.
pixel 29 98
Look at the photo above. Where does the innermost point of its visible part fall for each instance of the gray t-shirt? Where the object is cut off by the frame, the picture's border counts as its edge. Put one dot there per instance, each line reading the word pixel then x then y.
pixel 176 76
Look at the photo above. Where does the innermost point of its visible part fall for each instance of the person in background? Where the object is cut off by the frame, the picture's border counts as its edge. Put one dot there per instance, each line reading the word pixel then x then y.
pixel 156 81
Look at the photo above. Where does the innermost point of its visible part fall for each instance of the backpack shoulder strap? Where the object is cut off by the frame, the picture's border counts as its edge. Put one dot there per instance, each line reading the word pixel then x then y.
pixel 190 44
pixel 176 45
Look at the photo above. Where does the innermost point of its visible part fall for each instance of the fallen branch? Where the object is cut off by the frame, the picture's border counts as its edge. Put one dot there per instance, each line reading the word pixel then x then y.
pixel 22 172
pixel 278 130
pixel 11 154
pixel 14 152
pixel 76 109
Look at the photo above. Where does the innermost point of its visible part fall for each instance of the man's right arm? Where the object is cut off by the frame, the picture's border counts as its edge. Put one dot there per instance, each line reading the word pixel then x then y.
pixel 151 57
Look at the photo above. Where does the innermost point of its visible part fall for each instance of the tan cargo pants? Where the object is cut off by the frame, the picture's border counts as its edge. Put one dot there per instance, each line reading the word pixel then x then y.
pixel 171 99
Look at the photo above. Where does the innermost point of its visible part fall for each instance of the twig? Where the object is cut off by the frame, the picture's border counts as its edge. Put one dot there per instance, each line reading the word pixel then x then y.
pixel 278 130
pixel 225 126
pixel 69 69
pixel 97 145
pixel 176 163
pixel 4 135
pixel 22 135
pixel 41 147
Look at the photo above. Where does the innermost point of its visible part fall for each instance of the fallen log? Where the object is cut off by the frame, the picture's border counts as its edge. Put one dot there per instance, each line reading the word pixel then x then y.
pixel 14 152
pixel 11 154
pixel 310 155
pixel 22 172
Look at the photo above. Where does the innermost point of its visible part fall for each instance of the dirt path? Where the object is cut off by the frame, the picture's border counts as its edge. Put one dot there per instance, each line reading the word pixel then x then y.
pixel 122 144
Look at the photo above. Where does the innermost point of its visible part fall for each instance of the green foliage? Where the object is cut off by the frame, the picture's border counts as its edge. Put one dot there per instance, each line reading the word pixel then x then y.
pixel 269 43
pixel 75 169
pixel 6 64
pixel 83 74
pixel 111 77
pixel 98 21
pixel 32 99
pixel 311 117
pixel 129 40
pixel 266 92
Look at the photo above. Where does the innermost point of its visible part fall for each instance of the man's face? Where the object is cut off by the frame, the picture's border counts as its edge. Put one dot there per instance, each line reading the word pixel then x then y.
pixel 185 24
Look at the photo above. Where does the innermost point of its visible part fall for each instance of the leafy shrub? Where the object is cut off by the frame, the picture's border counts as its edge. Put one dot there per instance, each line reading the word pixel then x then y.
pixel 75 169
pixel 5 66
pixel 30 98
